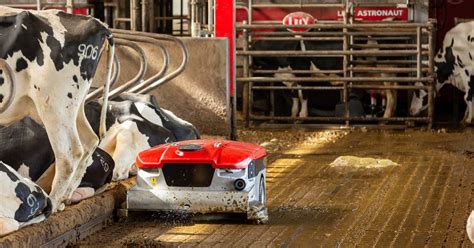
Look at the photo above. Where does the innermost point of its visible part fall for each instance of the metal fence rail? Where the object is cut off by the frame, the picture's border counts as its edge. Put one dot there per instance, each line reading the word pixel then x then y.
pixel 395 66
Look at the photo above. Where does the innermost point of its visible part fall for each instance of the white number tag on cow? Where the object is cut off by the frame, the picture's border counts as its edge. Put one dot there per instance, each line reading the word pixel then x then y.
pixel 88 51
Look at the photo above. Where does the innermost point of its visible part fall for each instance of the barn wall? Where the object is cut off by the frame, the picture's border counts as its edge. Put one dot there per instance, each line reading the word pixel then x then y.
pixel 198 95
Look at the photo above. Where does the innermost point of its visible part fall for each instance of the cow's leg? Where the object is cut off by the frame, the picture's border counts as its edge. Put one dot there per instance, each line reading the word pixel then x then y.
pixel 67 150
pixel 89 141
pixel 295 103
pixel 304 103
pixel 8 225
pixel 391 103
pixel 469 108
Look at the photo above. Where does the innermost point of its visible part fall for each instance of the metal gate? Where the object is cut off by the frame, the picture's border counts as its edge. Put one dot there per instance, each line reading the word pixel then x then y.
pixel 399 56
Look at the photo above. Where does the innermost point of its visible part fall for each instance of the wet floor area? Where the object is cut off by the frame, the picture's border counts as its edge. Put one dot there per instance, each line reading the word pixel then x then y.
pixel 422 199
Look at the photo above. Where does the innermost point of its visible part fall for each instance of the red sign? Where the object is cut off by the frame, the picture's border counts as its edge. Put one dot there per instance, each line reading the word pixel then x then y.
pixel 298 18
pixel 380 13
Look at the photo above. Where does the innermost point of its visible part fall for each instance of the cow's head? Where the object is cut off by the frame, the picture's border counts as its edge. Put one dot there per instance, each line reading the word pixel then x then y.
pixel 419 101
pixel 444 68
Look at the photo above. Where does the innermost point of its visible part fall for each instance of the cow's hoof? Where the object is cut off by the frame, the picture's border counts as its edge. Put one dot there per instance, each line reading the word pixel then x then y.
pixel 81 193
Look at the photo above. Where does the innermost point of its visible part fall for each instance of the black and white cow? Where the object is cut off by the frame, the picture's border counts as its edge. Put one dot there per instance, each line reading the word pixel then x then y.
pixel 454 64
pixel 135 123
pixel 27 150
pixel 317 66
pixel 54 56
pixel 285 64
pixel 132 126
pixel 22 201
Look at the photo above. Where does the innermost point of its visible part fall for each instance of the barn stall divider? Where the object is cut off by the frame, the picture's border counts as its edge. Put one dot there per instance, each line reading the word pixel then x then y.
pixel 390 55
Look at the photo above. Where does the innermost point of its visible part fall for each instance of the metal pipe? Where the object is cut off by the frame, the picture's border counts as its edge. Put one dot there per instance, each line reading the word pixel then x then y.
pixel 38 4
pixel 246 89
pixel 337 34
pixel 10 78
pixel 154 81
pixel 141 72
pixel 312 53
pixel 210 16
pixel 340 79
pixel 298 38
pixel 130 85
pixel 69 6
pixel 297 71
pixel 335 26
pixel 326 118
pixel 419 52
pixel 354 86
pixel 114 78
pixel 306 5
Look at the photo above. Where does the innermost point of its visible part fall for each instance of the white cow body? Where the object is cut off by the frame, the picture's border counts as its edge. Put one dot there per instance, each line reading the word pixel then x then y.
pixel 454 64
pixel 54 70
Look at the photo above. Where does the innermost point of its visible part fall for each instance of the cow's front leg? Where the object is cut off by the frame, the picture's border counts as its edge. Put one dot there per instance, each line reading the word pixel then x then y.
pixel 304 103
pixel 391 103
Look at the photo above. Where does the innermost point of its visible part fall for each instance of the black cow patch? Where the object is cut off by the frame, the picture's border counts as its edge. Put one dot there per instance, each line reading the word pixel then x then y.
pixel 32 202
pixel 470 56
pixel 446 69
pixel 100 172
pixel 2 80
pixel 21 64
pixel 467 72
pixel 74 78
pixel 81 32
pixel 26 137
pixel 460 63
pixel 1 98
pixel 69 95
pixel 470 92
pixel 12 176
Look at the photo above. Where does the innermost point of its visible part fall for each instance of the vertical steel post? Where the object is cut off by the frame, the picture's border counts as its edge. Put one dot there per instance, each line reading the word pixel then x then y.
pixel 246 90
pixel 210 16
pixel 345 47
pixel 418 52
pixel 69 6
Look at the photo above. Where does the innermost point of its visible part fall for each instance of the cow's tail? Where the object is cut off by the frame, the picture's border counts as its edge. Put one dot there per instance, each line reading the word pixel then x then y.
pixel 110 47
pixel 7 79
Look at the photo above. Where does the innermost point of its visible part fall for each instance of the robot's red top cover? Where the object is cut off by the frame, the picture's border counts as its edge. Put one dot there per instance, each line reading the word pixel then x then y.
pixel 222 154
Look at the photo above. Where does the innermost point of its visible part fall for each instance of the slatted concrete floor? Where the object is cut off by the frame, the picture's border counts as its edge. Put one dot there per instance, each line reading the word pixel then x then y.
pixel 422 202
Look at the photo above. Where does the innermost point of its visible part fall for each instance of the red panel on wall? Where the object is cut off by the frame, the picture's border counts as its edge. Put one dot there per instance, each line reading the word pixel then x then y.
pixel 224 27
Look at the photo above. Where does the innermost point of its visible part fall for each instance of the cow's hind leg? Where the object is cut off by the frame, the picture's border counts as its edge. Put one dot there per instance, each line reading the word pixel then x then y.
pixel 391 103
pixel 66 143
pixel 304 103
pixel 89 141
pixel 469 108
pixel 294 104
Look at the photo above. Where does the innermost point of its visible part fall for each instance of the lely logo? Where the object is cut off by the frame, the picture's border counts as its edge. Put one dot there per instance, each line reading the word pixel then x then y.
pixel 298 18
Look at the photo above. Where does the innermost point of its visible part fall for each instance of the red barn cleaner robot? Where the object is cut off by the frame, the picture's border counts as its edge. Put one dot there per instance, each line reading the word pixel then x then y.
pixel 202 176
